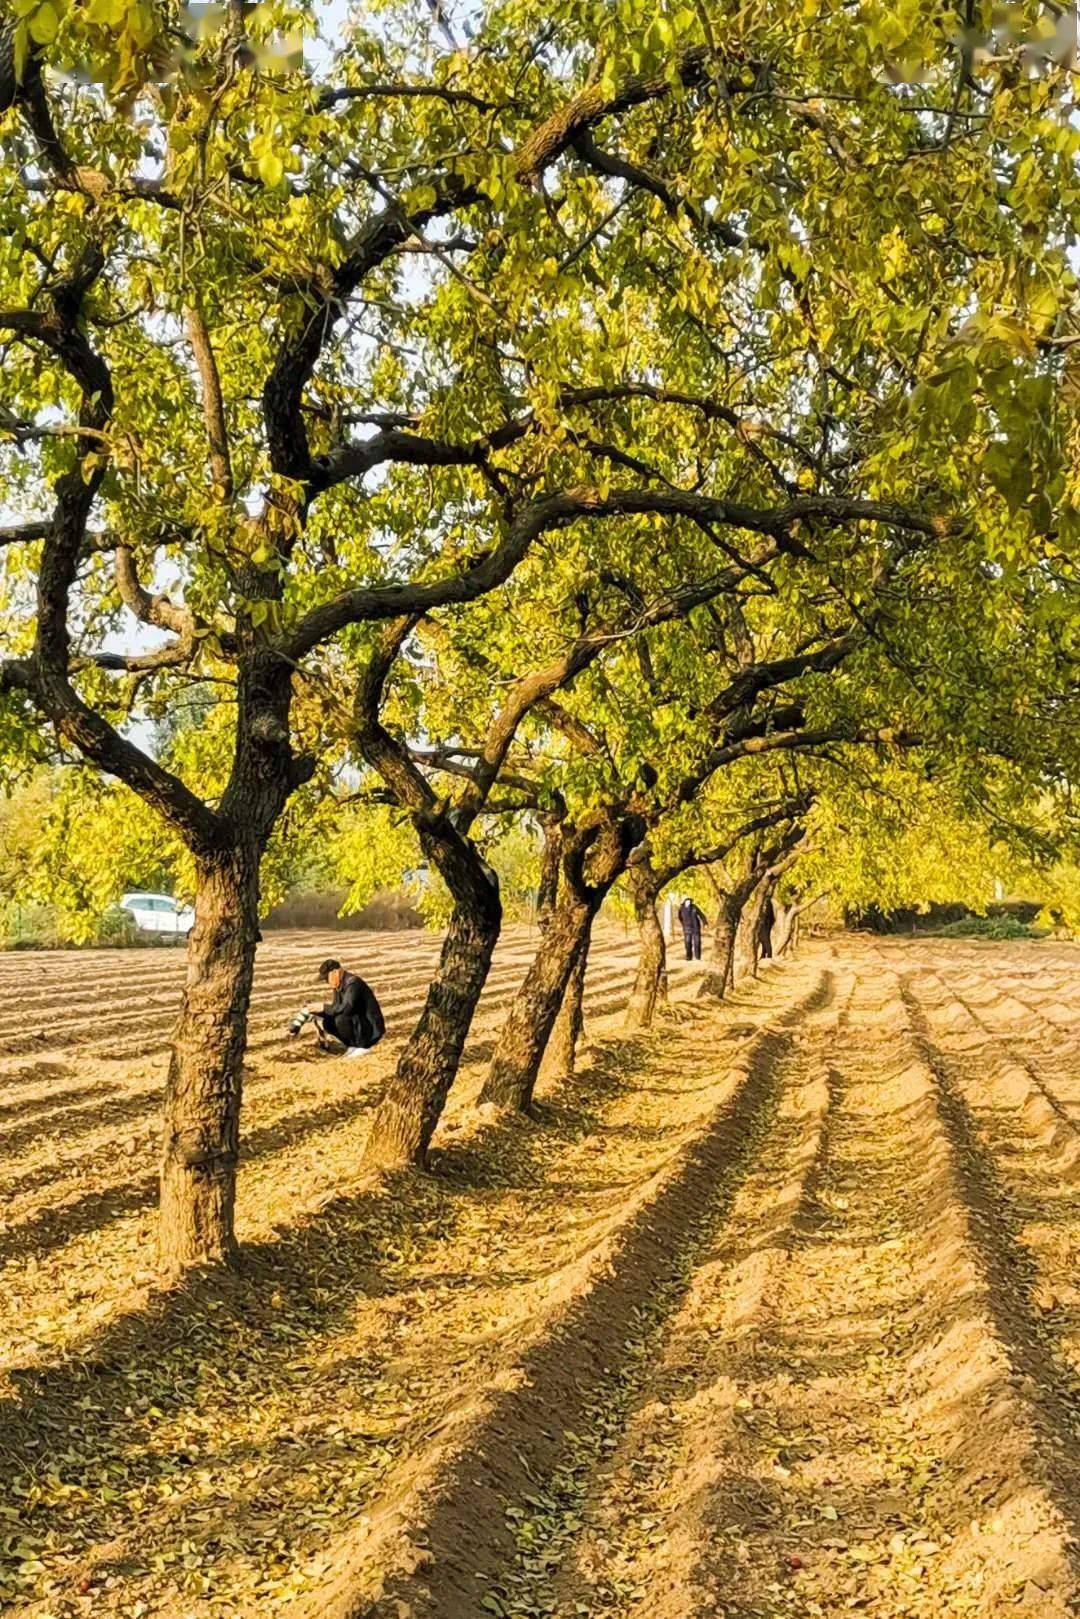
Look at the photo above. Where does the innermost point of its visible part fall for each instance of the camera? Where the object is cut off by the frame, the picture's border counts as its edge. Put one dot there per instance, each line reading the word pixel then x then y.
pixel 297 1023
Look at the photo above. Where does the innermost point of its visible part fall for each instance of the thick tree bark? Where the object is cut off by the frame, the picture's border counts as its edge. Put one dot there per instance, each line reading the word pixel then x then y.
pixel 783 933
pixel 414 1098
pixel 745 956
pixel 512 1076
pixel 650 982
pixel 204 1084
pixel 719 979
pixel 561 1056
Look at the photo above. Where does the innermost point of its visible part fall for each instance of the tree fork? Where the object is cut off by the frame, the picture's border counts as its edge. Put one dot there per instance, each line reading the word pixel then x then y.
pixel 512 1076
pixel 560 1058
pixel 718 981
pixel 416 1095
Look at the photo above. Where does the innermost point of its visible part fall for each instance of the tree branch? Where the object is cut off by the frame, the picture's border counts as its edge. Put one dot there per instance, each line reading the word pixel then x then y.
pixel 23 533
pixel 45 677
pixel 213 403
pixel 786 811
pixel 591 107
pixel 750 683
pixel 290 453
pixel 557 511
pixel 334 97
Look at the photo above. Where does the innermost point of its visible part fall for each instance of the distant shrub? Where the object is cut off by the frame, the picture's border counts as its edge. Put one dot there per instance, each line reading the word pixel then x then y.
pixel 28 926
pixel 37 926
pixel 116 927
pixel 987 927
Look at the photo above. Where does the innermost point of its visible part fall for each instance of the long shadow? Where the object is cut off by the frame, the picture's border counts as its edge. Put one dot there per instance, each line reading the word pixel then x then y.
pixel 802 1352
pixel 29 1106
pixel 53 1226
pixel 570 1110
pixel 218 1338
pixel 154 1359
pixel 76 1120
pixel 81 1407
pixel 1053 1390
pixel 591 1358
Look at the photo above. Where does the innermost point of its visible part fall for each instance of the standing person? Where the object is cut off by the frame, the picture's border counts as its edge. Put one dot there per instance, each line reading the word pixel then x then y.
pixel 353 1017
pixel 691 916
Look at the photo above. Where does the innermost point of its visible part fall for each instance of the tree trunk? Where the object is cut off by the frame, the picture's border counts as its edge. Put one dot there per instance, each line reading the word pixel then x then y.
pixel 548 888
pixel 561 1055
pixel 412 1104
pixel 606 847
pixel 650 982
pixel 766 919
pixel 744 959
pixel 511 1078
pixel 721 976
pixel 783 935
pixel 203 1088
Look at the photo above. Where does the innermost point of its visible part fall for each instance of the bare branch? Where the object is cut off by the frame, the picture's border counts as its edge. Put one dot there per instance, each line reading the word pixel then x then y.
pixel 750 683
pixel 786 811
pixel 283 395
pixel 23 533
pixel 334 97
pixel 213 403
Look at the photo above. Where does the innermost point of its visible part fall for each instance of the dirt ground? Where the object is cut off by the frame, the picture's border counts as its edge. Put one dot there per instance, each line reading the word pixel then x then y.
pixel 773 1311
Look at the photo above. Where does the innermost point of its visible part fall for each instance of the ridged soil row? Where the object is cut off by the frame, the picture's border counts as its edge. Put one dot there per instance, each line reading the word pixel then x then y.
pixel 647 1541
pixel 220 1445
pixel 77 1181
pixel 1050 1056
pixel 58 1069
pixel 490 1511
pixel 1020 1162
pixel 838 1418
pixel 139 1019
pixel 104 1129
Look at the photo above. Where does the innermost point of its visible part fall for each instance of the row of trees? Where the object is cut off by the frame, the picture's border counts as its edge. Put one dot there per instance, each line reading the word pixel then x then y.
pixel 647 422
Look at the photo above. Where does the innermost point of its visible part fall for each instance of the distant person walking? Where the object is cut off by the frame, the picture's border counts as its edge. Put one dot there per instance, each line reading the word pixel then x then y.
pixel 692 917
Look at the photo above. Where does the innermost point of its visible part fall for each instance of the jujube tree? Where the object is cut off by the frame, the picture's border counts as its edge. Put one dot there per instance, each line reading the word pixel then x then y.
pixel 292 351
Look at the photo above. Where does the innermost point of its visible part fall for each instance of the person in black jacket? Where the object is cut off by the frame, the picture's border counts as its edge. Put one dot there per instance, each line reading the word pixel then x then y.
pixel 354 1016
pixel 691 917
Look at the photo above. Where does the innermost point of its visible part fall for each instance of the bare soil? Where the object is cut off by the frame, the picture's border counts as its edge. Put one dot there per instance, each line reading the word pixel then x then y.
pixel 772 1311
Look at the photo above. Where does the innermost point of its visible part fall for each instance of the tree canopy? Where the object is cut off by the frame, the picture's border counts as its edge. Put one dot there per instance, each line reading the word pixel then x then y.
pixel 629 393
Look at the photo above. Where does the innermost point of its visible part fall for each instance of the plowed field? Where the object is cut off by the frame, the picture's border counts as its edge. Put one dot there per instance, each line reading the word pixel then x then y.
pixel 773 1311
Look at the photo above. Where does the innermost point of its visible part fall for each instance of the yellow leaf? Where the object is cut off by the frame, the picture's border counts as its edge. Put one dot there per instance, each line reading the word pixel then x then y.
pixel 271 169
pixel 45 23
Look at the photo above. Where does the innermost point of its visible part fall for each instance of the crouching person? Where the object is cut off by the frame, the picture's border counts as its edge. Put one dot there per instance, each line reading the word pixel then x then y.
pixel 353 1018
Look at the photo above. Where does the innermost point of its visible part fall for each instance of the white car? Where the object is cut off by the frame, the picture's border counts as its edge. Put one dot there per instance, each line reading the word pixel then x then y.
pixel 158 913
